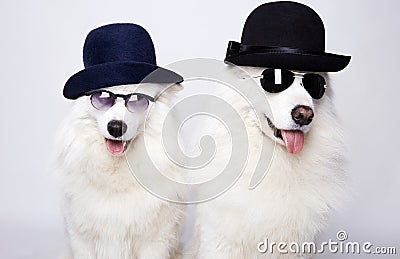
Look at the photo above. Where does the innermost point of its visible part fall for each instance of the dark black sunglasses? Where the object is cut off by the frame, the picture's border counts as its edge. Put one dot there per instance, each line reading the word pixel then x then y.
pixel 278 80
pixel 134 102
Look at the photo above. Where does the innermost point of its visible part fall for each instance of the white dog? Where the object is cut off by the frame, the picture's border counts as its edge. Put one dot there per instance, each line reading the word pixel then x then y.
pixel 108 214
pixel 303 184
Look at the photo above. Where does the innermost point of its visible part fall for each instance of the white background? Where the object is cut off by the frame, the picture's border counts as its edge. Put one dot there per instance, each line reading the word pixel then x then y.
pixel 41 45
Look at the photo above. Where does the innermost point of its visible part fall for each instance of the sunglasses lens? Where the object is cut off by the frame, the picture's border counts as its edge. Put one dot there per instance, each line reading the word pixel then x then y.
pixel 137 103
pixel 315 85
pixel 275 83
pixel 102 100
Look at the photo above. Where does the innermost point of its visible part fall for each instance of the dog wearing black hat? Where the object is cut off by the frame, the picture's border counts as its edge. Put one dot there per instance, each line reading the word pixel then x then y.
pixel 108 214
pixel 283 50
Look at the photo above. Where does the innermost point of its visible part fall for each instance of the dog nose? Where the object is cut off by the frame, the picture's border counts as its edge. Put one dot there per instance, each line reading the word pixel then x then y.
pixel 116 128
pixel 302 115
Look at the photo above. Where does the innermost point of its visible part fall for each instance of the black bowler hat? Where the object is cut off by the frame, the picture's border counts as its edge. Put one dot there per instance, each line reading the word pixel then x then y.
pixel 117 54
pixel 285 35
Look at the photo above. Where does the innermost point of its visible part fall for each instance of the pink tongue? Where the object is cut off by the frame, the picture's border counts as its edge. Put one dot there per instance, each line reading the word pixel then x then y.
pixel 294 140
pixel 115 147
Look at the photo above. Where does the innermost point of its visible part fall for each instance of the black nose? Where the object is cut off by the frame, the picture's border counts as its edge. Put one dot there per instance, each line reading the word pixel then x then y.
pixel 302 115
pixel 116 128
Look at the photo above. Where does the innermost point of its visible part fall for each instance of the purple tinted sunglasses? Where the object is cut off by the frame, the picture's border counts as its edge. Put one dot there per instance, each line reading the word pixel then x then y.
pixel 135 102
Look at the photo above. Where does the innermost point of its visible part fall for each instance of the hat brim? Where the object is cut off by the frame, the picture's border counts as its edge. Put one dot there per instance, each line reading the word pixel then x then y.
pixel 325 62
pixel 116 73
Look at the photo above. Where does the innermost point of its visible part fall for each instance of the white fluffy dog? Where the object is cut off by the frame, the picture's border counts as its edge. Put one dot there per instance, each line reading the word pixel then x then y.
pixel 108 214
pixel 303 184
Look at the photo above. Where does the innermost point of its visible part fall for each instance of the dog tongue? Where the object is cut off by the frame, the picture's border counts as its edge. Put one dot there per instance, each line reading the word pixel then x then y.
pixel 115 147
pixel 294 140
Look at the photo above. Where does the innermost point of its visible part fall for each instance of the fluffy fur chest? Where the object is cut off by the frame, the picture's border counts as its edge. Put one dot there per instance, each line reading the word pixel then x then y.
pixel 291 203
pixel 98 210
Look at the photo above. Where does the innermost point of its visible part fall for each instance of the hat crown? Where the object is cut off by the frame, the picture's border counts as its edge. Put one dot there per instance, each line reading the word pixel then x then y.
pixel 285 24
pixel 121 42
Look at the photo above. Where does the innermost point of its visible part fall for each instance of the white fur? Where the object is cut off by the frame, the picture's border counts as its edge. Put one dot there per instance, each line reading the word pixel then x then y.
pixel 294 199
pixel 108 214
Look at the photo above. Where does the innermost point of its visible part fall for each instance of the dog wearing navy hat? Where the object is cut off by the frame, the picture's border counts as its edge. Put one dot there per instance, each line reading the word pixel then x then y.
pixel 282 51
pixel 107 213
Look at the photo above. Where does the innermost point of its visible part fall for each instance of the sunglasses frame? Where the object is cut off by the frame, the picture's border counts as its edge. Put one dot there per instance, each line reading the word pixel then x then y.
pixel 114 96
pixel 294 75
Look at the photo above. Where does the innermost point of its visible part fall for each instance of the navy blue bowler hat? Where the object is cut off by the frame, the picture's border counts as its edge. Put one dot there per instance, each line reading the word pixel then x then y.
pixel 117 54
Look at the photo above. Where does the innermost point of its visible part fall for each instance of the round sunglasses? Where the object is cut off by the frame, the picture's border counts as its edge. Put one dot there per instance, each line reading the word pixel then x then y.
pixel 278 80
pixel 135 102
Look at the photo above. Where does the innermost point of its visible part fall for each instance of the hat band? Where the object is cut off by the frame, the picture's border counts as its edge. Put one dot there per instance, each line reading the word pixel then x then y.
pixel 236 48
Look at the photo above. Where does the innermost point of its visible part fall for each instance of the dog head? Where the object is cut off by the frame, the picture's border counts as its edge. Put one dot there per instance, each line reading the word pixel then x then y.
pixel 119 123
pixel 293 110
